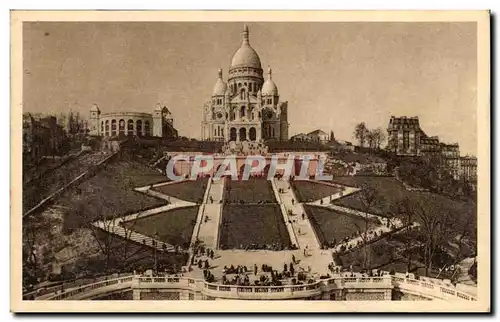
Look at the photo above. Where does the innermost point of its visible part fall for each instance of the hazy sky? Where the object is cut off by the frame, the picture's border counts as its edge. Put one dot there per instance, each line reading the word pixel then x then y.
pixel 333 75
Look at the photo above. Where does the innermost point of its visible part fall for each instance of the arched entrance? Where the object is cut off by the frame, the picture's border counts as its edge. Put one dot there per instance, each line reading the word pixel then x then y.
pixel 121 127
pixel 232 134
pixel 138 126
pixel 252 134
pixel 130 127
pixel 243 134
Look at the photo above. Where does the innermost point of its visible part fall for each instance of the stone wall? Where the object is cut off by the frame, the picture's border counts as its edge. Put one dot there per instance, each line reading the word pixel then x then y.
pixel 155 295
pixel 362 296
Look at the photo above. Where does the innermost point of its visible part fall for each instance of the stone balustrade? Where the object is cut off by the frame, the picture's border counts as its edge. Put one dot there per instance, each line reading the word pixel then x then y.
pixel 424 288
pixel 430 289
pixel 262 292
pixel 124 282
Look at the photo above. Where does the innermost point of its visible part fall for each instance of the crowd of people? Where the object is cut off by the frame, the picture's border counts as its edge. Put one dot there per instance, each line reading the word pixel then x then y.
pixel 265 275
pixel 242 202
pixel 200 250
pixel 344 272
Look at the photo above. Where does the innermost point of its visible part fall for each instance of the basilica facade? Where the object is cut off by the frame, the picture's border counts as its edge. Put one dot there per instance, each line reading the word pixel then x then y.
pixel 247 107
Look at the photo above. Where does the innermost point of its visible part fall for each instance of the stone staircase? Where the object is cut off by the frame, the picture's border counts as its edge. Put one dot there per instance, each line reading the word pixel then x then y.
pixel 307 237
pixel 134 236
pixel 209 230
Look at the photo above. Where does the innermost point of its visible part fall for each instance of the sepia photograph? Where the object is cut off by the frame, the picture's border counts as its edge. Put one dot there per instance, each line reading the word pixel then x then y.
pixel 291 161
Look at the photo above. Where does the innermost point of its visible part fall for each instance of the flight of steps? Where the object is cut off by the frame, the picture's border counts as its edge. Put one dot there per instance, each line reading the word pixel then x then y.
pixel 209 230
pixel 117 229
pixel 463 274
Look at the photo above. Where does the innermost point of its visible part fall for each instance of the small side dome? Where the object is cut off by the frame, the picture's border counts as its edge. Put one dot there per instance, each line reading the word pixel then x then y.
pixel 220 86
pixel 269 87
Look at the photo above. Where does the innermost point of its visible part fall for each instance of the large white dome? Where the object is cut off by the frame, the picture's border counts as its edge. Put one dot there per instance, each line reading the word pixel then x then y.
pixel 246 56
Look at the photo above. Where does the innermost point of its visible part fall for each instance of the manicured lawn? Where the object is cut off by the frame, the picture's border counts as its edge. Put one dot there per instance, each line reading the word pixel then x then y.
pixel 380 254
pixel 329 224
pixel 174 227
pixel 392 191
pixel 189 190
pixel 250 191
pixel 109 193
pixel 244 225
pixel 307 191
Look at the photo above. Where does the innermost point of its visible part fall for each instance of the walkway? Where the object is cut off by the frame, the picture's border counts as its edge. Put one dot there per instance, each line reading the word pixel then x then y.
pixel 463 273
pixel 209 230
pixel 149 191
pixel 306 237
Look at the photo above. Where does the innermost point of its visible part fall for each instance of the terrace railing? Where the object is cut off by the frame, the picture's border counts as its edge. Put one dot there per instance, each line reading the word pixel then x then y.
pixel 424 288
pixel 262 292
pixel 429 288
pixel 116 283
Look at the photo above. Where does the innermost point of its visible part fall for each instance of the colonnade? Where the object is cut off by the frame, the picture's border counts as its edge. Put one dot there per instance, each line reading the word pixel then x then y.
pixel 132 126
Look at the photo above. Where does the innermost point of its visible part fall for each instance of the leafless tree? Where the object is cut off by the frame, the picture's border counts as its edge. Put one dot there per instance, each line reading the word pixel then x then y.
pixel 105 216
pixel 369 199
pixel 126 251
pixel 378 137
pixel 361 133
pixel 30 241
pixel 404 212
pixel 371 139
pixel 36 240
pixel 434 227
pixel 461 241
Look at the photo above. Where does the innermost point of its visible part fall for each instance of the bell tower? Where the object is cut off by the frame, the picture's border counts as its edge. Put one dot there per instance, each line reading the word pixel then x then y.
pixel 95 114
pixel 158 121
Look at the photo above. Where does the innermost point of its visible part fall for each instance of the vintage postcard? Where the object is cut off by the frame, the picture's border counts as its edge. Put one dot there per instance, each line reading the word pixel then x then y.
pixel 305 161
